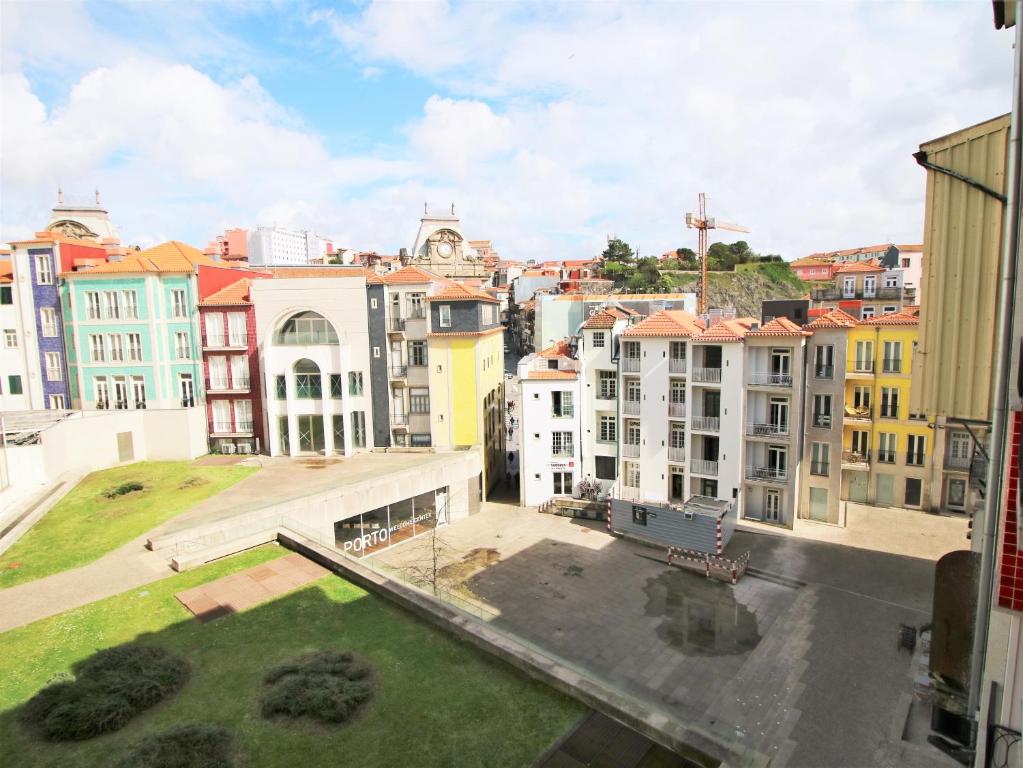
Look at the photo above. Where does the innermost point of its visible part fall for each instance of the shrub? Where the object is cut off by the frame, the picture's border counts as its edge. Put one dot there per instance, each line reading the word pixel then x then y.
pixel 326 687
pixel 110 688
pixel 184 746
pixel 124 488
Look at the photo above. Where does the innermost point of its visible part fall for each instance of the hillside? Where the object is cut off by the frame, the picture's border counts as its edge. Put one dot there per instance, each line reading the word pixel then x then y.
pixel 743 290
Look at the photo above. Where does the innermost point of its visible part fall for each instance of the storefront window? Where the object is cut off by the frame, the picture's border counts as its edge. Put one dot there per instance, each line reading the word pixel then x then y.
pixel 372 531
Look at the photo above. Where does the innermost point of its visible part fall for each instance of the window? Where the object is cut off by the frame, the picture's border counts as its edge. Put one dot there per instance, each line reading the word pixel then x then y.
pixel 358 429
pixel 444 314
pixel 605 467
pixel 243 415
pixel 236 329
pixel 822 411
pixel 53 367
pixel 135 347
pixel 419 400
pixel 10 338
pixel 860 442
pixel 92 306
pixel 905 263
pixel 214 324
pixel 44 270
pixel 820 454
pixel 178 308
pixel 561 444
pixel 182 349
pixel 283 432
pixel 916 450
pixel 415 305
pixel 221 416
pixel 824 361
pixel 886 447
pixel 890 402
pixel 891 281
pixel 14 385
pixel 376 353
pixel 115 342
pixel 869 286
pixel 849 287
pixel 417 353
pixel 97 348
pixel 6 294
pixel 101 389
pixel 337 386
pixel 632 474
pixel 308 385
pixel 306 328
pixel 638 515
pixel 864 360
pixel 956 495
pixel 892 360
pixel 562 483
pixel 608 385
pixel 631 350
pixel 138 387
pixel 598 339
pixel 561 404
pixel 57 402
pixel 868 312
pixel 861 399
pixel 677 353
pixel 130 301
pixel 608 429
pixel 111 305
pixel 355 383
pixel 339 431
pixel 281 387
pixel 48 321
pixel 959 449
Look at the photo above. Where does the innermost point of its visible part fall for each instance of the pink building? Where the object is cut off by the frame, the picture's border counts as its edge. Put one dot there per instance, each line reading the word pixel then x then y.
pixel 233 245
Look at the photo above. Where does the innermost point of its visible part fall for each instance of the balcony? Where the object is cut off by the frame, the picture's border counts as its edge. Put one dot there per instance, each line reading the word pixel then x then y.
pixel 857 415
pixel 220 384
pixel 860 368
pixel 824 372
pixel 760 429
pixel 855 459
pixel 707 375
pixel 396 325
pixel 840 294
pixel 399 371
pixel 677 410
pixel 767 474
pixel 706 423
pixel 891 365
pixel 224 342
pixel 630 407
pixel 676 365
pixel 822 420
pixel 399 420
pixel 958 463
pixel 771 379
pixel 630 450
pixel 630 365
pixel 704 467
pixel 677 454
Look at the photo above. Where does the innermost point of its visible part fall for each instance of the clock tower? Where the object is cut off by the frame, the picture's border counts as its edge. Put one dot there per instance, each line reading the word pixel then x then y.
pixel 441 248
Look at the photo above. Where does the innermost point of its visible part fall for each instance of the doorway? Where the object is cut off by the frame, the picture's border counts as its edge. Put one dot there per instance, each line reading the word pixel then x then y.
pixel 562 483
pixel 678 490
pixel 310 434
pixel 858 487
pixel 772 506
pixel 884 491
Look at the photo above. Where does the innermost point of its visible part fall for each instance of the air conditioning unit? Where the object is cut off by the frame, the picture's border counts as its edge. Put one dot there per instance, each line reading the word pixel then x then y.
pixel 228 448
pixel 244 448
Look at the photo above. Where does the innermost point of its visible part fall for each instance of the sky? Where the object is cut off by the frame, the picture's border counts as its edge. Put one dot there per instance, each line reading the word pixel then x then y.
pixel 549 126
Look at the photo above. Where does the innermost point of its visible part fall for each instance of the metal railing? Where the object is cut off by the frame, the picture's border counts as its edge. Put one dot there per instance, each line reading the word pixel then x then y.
pixel 677 410
pixel 771 379
pixel 215 341
pixel 957 462
pixel 630 364
pixel 630 407
pixel 855 457
pixel 218 382
pixel 397 325
pixel 821 468
pixel 769 429
pixel 891 365
pixel 824 371
pixel 244 426
pixel 707 375
pixel 704 467
pixel 676 454
pixel 914 459
pixel 221 427
pixel 859 414
pixel 862 366
pixel 415 313
pixel 885 457
pixel 630 450
pixel 237 341
pixel 770 474
pixel 706 423
pixel 241 383
pixel 822 420
pixel 399 419
pixel 399 371
pixel 676 365
pixel 836 294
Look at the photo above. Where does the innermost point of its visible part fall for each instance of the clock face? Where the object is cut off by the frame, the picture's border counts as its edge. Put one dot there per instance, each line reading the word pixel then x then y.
pixel 444 249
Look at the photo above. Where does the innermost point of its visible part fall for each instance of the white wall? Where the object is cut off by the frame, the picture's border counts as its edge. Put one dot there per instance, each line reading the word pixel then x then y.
pixel 537 465
pixel 12 360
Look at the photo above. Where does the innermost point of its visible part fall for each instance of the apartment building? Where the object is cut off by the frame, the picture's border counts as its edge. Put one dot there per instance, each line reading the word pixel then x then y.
pixel 550 444
pixel 278 246
pixel 864 289
pixel 13 371
pixel 133 330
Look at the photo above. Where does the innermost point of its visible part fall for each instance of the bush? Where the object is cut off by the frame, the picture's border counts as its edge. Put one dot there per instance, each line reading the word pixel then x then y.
pixel 184 746
pixel 110 688
pixel 124 488
pixel 326 687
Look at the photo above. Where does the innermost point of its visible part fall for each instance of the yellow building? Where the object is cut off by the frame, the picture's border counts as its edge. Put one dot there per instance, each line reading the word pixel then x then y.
pixel 886 450
pixel 466 359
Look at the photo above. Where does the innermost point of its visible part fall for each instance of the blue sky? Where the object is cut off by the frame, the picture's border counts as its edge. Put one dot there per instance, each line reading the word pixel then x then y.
pixel 551 126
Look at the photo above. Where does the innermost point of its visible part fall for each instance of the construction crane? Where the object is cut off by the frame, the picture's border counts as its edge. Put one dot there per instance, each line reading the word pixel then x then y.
pixel 701 223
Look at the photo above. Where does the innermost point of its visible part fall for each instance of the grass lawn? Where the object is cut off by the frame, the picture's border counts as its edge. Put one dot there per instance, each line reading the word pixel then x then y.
pixel 85 524
pixel 438 702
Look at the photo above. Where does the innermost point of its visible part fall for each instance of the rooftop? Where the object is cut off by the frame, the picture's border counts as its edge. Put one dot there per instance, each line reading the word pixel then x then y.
pixel 233 294
pixel 860 266
pixel 172 256
pixel 459 292
pixel 727 330
pixel 780 326
pixel 835 318
pixel 667 322
pixel 895 318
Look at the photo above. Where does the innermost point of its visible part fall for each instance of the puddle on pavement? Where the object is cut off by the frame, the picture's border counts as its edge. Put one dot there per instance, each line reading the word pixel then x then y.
pixel 700 616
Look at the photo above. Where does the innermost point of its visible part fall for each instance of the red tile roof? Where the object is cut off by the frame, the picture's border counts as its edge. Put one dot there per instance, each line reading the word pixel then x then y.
pixel 780 326
pixel 410 276
pixel 667 322
pixel 558 349
pixel 304 272
pixel 548 374
pixel 854 251
pixel 895 318
pixel 498 329
pixel 458 292
pixel 235 293
pixel 607 317
pixel 6 271
pixel 859 266
pixel 727 330
pixel 172 256
pixel 836 318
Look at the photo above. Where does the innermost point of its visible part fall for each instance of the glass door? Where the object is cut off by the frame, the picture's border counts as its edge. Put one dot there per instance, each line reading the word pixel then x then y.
pixel 772 506
pixel 777 460
pixel 310 434
pixel 780 414
pixel 120 392
pixel 187 390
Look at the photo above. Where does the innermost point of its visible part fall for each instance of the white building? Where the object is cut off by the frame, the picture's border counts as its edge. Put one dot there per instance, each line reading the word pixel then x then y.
pixel 13 368
pixel 911 262
pixel 277 246
pixel 315 361
pixel 550 435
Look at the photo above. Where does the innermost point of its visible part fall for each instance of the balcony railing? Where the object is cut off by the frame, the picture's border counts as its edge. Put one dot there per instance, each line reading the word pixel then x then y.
pixel 770 474
pixel 856 457
pixel 237 341
pixel 218 382
pixel 862 366
pixel 821 468
pixel 771 379
pixel 957 462
pixel 767 429
pixel 891 365
pixel 221 427
pixel 886 457
pixel 244 426
pixel 836 294
pixel 676 365
pixel 707 375
pixel 822 420
pixel 399 419
pixel 824 371
pixel 630 364
pixel 914 459
pixel 397 325
pixel 704 467
pixel 399 371
pixel 415 313
pixel 215 341
pixel 858 414
pixel 677 455
pixel 706 423
pixel 677 410
pixel 630 407
pixel 630 450
pixel 241 383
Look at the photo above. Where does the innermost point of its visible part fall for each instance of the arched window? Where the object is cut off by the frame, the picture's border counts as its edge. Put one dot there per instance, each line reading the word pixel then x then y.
pixel 306 328
pixel 307 380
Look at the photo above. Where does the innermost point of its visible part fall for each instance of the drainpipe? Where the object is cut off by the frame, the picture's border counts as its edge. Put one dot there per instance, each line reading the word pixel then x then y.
pixel 1000 379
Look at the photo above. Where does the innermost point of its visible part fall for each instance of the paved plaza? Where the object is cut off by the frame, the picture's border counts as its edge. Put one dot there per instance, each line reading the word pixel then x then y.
pixel 799 660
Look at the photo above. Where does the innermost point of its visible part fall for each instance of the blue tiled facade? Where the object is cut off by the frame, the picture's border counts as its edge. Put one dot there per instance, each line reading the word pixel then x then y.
pixel 49 296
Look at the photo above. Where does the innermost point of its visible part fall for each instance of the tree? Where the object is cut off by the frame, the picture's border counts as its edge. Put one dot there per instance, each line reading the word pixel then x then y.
pixel 617 251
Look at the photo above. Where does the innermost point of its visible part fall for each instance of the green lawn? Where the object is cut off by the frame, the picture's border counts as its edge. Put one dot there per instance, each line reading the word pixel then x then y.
pixel 438 702
pixel 85 524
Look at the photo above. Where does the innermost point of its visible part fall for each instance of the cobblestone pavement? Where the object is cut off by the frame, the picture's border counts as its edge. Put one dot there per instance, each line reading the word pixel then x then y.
pixel 798 660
